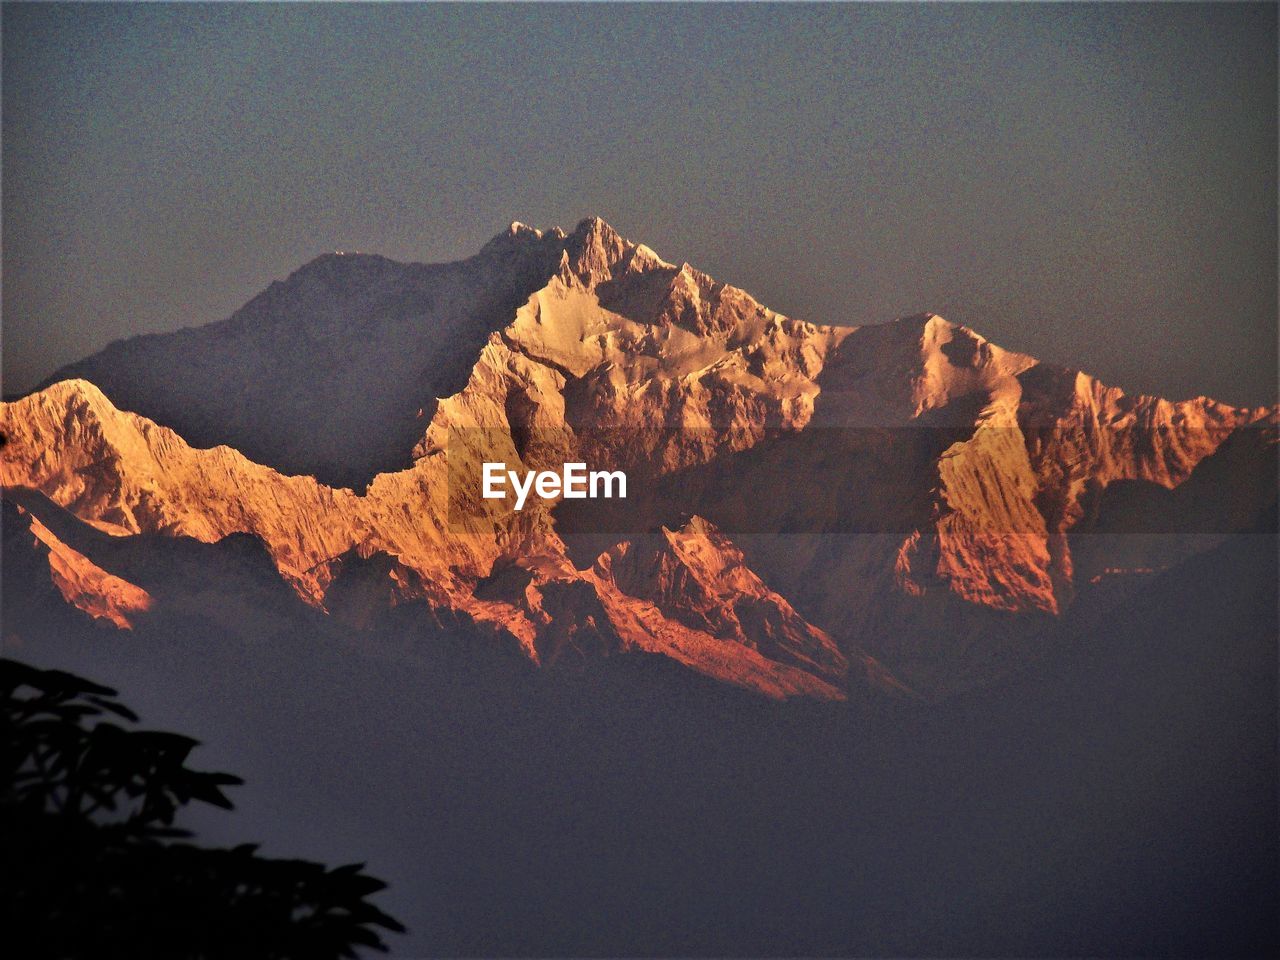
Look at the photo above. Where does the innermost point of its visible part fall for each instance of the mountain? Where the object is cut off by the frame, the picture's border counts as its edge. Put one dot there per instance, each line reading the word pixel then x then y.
pixel 813 510
pixel 127 477
pixel 288 379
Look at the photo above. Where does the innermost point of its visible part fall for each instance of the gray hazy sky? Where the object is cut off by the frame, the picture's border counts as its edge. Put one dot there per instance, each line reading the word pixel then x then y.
pixel 1095 185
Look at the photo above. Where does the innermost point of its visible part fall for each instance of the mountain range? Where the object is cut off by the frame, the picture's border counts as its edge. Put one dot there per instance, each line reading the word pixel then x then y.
pixel 901 510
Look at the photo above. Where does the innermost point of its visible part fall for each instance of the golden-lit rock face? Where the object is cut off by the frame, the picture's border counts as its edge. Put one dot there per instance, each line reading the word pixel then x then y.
pixel 903 491
pixel 85 585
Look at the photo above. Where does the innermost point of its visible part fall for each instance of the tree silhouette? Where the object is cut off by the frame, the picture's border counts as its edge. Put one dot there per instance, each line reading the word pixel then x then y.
pixel 94 866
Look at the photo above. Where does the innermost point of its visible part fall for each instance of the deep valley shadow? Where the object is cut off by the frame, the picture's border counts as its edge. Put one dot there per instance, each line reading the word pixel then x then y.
pixel 1118 799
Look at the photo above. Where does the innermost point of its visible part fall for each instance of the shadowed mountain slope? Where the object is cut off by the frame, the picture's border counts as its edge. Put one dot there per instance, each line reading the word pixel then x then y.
pixel 330 371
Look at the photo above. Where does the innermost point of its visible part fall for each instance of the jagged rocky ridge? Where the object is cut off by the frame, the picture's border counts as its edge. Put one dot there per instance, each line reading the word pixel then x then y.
pixel 815 509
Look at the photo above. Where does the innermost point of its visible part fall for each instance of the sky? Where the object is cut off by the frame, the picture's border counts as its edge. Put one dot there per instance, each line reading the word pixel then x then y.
pixel 1094 185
